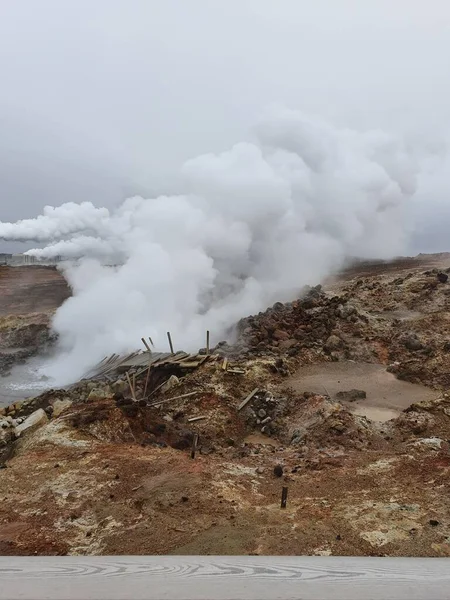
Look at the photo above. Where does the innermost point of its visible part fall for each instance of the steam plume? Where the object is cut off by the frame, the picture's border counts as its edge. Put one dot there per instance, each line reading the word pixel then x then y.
pixel 256 224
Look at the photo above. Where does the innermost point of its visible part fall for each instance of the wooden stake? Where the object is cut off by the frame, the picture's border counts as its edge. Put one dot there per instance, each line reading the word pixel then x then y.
pixel 247 400
pixel 284 494
pixel 193 419
pixel 173 398
pixel 170 342
pixel 131 385
pixel 194 445
pixel 207 342
pixel 225 364
pixel 146 345
pixel 151 341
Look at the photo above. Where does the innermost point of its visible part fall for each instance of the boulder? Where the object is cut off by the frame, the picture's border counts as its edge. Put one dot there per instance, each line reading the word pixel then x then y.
pixel 344 311
pixel 98 394
pixel 279 335
pixel 333 343
pixel 59 406
pixel 442 277
pixel 119 387
pixel 33 422
pixel 286 344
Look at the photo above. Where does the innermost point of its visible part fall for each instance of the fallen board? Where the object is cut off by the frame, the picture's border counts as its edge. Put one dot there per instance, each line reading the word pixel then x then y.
pixel 223 578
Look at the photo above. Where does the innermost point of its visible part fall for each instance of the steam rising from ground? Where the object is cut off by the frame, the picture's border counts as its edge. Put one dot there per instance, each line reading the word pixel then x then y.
pixel 256 223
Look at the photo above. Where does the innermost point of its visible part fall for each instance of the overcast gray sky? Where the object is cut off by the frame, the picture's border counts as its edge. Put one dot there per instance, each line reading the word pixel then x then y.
pixel 104 98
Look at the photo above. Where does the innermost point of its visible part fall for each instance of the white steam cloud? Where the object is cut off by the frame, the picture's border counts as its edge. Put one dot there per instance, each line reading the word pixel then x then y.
pixel 256 224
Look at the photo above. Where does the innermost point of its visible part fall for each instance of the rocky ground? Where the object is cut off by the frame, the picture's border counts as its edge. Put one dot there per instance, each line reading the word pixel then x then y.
pixel 90 470
pixel 28 298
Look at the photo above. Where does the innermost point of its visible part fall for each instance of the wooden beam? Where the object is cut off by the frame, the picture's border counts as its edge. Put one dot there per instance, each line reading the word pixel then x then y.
pixel 247 400
pixel 207 342
pixel 223 578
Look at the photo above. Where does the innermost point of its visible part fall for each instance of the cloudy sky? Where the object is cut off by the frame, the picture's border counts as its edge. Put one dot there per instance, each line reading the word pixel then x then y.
pixel 102 99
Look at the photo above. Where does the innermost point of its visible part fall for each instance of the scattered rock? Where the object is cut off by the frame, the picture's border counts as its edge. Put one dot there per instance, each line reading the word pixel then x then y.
pixel 442 277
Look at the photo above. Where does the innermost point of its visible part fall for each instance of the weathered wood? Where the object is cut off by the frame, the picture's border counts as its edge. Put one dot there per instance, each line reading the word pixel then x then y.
pixel 223 578
pixel 225 364
pixel 173 398
pixel 207 342
pixel 169 337
pixel 247 400
pixel 194 419
pixel 284 495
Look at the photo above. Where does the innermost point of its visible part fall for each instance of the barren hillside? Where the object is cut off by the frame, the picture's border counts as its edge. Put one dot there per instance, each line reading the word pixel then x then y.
pixel 341 396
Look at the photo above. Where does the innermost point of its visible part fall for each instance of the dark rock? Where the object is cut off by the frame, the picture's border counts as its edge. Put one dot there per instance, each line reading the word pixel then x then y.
pixel 433 522
pixel 278 471
pixel 412 342
pixel 280 335
pixel 442 277
pixel 351 395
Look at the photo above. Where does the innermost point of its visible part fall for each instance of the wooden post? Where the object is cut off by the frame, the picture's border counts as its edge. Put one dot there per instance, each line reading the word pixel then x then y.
pixel 284 494
pixel 151 341
pixel 169 337
pixel 146 345
pixel 207 342
pixel 131 386
pixel 194 445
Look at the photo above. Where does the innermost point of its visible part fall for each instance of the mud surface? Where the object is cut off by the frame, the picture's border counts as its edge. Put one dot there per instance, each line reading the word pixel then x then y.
pixel 387 396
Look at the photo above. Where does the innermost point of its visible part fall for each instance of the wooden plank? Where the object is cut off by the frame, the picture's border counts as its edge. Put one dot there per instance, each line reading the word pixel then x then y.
pixel 223 578
pixel 173 398
pixel 247 400
pixel 194 419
